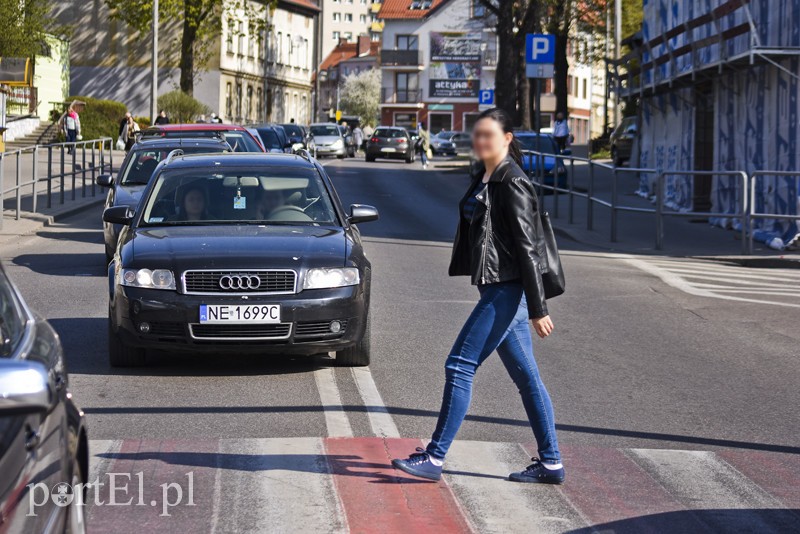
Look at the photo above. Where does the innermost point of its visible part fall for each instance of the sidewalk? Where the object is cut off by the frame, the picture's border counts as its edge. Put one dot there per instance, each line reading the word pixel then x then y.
pixel 83 195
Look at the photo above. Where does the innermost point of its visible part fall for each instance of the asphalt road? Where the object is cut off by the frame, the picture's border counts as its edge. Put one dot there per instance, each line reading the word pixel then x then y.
pixel 635 361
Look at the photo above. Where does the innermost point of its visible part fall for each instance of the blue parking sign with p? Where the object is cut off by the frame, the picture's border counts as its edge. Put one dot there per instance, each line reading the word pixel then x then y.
pixel 540 48
pixel 486 97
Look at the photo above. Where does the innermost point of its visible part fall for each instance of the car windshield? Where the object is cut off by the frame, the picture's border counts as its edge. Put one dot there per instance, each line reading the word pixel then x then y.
pixel 239 140
pixel 537 143
pixel 241 195
pixel 144 161
pixel 324 130
pixel 293 130
pixel 389 132
pixel 269 138
pixel 445 135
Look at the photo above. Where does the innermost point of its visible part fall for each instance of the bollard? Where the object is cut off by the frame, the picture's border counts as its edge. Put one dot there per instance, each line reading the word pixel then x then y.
pixel 49 176
pixel 74 149
pixel 35 175
pixel 590 198
pixel 18 174
pixel 614 206
pixel 94 171
pixel 571 185
pixel 61 194
pixel 83 170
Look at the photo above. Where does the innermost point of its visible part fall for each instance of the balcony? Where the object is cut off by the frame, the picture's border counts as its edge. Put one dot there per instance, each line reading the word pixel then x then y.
pixel 401 58
pixel 390 95
pixel 376 26
pixel 375 7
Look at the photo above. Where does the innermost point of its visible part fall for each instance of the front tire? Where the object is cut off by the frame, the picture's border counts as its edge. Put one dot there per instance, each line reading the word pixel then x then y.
pixel 410 158
pixel 121 355
pixel 340 156
pixel 359 354
pixel 76 518
pixel 369 158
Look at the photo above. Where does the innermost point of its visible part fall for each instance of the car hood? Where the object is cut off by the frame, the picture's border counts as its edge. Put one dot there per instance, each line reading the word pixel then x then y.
pixel 237 247
pixel 129 195
pixel 325 139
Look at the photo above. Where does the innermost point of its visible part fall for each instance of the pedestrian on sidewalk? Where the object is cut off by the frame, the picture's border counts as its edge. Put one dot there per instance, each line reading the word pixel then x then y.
pixel 424 144
pixel 72 126
pixel 500 245
pixel 358 138
pixel 162 117
pixel 132 128
pixel 122 138
pixel 561 131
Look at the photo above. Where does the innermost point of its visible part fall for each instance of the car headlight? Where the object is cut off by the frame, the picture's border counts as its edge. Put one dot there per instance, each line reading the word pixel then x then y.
pixel 337 144
pixel 327 278
pixel 155 279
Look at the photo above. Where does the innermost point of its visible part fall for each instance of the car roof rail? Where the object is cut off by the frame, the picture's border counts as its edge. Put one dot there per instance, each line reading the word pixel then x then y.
pixel 303 153
pixel 172 154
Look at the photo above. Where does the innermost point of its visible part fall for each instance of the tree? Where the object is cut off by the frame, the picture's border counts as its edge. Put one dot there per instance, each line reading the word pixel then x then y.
pixel 200 22
pixel 182 108
pixel 514 19
pixel 23 27
pixel 360 95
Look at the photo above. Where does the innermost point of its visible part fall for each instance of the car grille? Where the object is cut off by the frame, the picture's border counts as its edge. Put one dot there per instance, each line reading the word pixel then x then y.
pixel 311 331
pixel 240 332
pixel 204 282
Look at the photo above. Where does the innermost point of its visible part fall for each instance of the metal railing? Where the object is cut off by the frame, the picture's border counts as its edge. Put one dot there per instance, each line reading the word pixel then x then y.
pixel 67 168
pixel 537 170
pixel 752 214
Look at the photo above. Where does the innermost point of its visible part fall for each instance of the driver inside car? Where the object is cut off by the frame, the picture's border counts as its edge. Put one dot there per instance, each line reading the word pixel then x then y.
pixel 268 202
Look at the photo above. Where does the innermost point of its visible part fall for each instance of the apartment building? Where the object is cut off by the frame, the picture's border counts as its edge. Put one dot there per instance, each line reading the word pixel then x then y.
pixel 347 20
pixel 346 59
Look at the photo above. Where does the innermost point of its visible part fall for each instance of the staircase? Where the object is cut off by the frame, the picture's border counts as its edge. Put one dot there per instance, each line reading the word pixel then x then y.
pixel 44 134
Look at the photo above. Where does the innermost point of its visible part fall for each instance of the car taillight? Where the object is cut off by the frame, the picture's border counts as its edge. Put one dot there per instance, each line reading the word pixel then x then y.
pixel 401 140
pixel 374 140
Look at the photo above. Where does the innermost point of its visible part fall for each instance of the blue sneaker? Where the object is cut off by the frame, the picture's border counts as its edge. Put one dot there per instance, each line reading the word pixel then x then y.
pixel 538 474
pixel 419 464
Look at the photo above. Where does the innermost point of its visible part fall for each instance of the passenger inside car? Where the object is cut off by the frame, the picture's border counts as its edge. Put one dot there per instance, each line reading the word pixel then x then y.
pixel 193 205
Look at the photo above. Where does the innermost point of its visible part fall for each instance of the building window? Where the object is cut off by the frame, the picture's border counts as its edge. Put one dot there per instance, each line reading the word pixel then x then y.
pixel 478 9
pixel 346 70
pixel 229 37
pixel 228 103
pixel 259 105
pixel 348 36
pixel 262 43
pixel 337 17
pixel 406 87
pixel 289 48
pixel 407 42
pixel 336 36
pixel 362 19
pixel 348 17
pixel 238 100
pixel 241 38
pixel 249 104
pixel 279 53
pixel 251 43
pixel 584 88
pixel 306 50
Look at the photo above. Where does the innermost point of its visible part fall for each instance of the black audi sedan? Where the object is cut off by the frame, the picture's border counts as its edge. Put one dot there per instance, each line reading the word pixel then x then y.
pixel 240 253
pixel 44 454
pixel 138 167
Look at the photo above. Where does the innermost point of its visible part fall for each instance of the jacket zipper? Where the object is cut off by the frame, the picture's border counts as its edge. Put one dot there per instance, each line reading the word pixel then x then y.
pixel 486 235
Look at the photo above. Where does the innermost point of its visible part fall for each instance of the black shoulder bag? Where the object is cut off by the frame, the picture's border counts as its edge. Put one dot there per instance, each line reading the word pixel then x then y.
pixel 552 279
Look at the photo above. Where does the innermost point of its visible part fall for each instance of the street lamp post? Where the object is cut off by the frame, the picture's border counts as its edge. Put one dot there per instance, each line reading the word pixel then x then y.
pixel 154 67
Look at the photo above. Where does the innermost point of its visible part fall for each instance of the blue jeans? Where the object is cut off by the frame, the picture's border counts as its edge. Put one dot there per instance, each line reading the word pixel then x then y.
pixel 498 322
pixel 423 155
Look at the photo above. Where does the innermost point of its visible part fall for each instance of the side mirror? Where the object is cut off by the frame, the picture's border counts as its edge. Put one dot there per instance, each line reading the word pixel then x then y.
pixel 288 144
pixel 104 180
pixel 24 387
pixel 361 213
pixel 118 215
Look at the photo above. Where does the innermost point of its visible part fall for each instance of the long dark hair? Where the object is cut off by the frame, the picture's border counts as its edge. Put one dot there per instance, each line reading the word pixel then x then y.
pixel 505 122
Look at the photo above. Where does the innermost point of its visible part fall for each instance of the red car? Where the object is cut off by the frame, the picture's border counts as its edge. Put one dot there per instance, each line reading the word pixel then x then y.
pixel 238 137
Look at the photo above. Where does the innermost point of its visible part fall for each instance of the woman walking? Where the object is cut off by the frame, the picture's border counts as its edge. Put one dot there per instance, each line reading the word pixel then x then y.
pixel 500 244
pixel 424 144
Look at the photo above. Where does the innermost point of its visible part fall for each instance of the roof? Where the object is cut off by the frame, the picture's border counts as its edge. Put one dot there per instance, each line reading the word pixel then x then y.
pixel 178 142
pixel 401 9
pixel 307 4
pixel 198 127
pixel 239 159
pixel 345 51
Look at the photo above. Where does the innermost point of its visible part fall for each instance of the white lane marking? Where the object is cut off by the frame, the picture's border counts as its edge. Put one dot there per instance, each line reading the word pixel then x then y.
pixel 700 480
pixel 678 282
pixel 278 485
pixel 477 471
pixel 335 418
pixel 379 417
pixel 99 465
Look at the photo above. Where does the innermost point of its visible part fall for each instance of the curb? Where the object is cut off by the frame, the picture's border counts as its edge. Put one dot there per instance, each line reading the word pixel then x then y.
pixel 43 221
pixel 762 262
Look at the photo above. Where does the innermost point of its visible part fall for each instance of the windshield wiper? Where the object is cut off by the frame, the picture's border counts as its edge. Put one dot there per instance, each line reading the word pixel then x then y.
pixel 135 183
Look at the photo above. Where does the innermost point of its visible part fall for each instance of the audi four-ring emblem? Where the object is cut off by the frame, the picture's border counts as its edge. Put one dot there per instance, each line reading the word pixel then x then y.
pixel 236 281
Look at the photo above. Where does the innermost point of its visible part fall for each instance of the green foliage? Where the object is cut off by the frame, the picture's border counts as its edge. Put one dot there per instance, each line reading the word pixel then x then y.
pixel 143 122
pixel 181 108
pixel 100 118
pixel 200 22
pixel 23 27
pixel 360 95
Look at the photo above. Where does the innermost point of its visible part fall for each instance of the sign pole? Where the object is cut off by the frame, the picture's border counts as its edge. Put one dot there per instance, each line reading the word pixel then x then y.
pixel 154 67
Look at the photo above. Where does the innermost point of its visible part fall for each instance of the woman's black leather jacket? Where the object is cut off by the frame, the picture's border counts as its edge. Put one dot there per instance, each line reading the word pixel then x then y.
pixel 504 241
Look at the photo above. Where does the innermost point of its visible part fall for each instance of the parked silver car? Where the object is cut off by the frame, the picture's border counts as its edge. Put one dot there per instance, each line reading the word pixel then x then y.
pixel 44 455
pixel 622 140
pixel 329 140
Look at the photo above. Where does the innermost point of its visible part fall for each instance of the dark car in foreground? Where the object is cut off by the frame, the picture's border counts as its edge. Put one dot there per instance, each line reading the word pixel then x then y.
pixel 240 253
pixel 550 164
pixel 136 170
pixel 621 140
pixel 240 139
pixel 43 443
pixel 391 142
